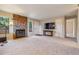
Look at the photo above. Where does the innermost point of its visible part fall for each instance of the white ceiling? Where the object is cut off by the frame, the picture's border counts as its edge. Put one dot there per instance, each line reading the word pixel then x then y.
pixel 39 11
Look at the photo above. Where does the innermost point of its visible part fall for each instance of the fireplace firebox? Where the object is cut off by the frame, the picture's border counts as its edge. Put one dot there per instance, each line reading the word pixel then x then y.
pixel 20 33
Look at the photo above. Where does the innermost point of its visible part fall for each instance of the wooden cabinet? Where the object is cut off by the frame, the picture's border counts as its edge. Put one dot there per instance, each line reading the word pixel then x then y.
pixel 47 33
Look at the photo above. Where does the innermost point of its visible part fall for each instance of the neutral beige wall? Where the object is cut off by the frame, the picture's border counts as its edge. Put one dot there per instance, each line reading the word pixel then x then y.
pixel 78 27
pixel 59 30
pixel 35 27
pixel 2 13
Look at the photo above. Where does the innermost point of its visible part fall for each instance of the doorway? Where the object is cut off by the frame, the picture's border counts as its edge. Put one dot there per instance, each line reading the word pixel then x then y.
pixel 71 27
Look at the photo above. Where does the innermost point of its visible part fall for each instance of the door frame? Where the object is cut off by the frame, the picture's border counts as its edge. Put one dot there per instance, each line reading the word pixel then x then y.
pixel 71 17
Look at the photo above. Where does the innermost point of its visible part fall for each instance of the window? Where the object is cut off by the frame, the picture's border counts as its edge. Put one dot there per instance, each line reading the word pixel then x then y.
pixel 4 24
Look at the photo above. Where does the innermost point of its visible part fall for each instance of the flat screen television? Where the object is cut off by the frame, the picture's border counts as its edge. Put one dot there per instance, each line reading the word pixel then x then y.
pixel 50 25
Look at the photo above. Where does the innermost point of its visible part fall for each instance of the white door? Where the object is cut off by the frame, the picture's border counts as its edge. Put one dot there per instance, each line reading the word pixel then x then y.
pixel 70 28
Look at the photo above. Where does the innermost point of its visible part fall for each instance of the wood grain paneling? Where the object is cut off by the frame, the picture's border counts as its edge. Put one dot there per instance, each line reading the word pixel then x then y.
pixel 19 21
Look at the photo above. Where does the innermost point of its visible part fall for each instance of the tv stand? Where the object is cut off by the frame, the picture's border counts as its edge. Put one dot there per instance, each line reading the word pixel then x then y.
pixel 47 32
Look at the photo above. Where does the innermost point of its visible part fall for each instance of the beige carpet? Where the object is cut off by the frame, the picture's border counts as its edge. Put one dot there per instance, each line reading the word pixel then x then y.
pixel 40 45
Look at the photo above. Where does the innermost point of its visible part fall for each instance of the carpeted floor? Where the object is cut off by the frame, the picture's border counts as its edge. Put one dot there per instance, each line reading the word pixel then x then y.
pixel 40 45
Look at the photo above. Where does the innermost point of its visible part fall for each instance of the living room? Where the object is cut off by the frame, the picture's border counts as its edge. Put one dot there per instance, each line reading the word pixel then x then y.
pixel 39 25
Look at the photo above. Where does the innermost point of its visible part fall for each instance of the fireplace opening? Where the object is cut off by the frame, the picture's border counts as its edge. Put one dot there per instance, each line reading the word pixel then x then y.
pixel 20 33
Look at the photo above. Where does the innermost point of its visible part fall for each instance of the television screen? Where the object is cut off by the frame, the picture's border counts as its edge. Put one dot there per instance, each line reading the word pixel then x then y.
pixel 49 25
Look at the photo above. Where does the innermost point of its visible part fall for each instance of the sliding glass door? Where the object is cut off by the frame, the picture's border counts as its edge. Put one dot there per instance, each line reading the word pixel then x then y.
pixel 4 27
